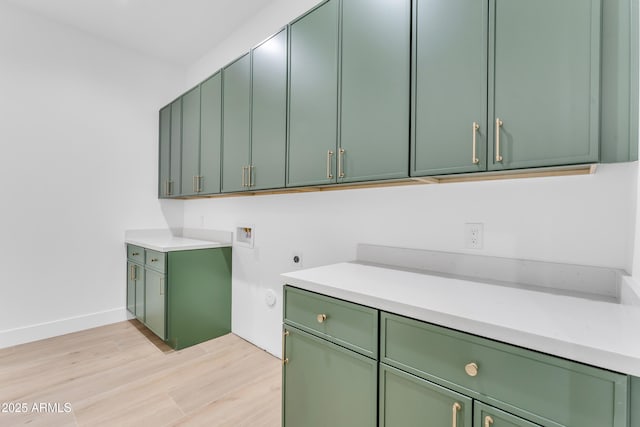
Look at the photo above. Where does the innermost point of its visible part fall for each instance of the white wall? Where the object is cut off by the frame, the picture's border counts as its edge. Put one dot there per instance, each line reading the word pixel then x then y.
pixel 78 166
pixel 265 23
pixel 580 219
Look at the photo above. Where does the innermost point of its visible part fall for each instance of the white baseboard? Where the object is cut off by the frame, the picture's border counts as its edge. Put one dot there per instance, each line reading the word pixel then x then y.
pixel 11 337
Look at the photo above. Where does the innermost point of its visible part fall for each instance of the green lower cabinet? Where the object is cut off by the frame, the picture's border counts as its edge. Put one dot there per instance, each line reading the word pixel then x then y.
pixel 325 385
pixel 409 401
pixel 198 296
pixel 184 297
pixel 155 302
pixel 487 416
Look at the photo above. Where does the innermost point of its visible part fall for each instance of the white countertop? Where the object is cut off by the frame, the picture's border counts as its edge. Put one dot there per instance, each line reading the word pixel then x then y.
pixel 602 334
pixel 167 241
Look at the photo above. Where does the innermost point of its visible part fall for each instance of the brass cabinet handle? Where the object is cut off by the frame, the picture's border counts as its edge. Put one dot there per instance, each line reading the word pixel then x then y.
pixel 132 272
pixel 321 318
pixel 162 286
pixel 498 126
pixel 251 183
pixel 135 253
pixel 195 185
pixel 474 159
pixel 200 183
pixel 454 414
pixel 243 170
pixel 341 163
pixel 285 334
pixel 488 421
pixel 471 369
pixel 329 156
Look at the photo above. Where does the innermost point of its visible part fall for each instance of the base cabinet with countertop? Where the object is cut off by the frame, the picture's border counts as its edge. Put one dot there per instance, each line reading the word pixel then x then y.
pixel 330 368
pixel 430 375
pixel 183 296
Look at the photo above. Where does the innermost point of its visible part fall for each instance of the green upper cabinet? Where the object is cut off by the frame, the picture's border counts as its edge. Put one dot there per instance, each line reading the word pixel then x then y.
pixel 449 86
pixel 544 82
pixel 210 134
pixel 313 97
pixel 175 147
pixel 269 113
pixel 190 142
pixel 164 162
pixel 236 133
pixel 375 76
pixel 530 99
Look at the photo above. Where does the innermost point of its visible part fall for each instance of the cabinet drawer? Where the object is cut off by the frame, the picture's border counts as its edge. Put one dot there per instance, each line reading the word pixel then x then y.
pixel 155 260
pixel 521 381
pixel 135 254
pixel 347 324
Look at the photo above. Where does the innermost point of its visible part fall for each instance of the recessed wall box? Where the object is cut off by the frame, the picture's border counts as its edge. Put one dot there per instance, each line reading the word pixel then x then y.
pixel 245 235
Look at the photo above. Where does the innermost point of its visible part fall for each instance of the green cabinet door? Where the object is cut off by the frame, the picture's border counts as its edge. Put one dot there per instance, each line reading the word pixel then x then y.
pixel 210 134
pixel 449 86
pixel 327 385
pixel 198 296
pixel 376 54
pixel 313 97
pixel 139 274
pixel 236 133
pixel 135 290
pixel 544 77
pixel 154 297
pixel 269 113
pixel 175 148
pixel 164 152
pixel 190 142
pixel 131 288
pixel 485 415
pixel 408 401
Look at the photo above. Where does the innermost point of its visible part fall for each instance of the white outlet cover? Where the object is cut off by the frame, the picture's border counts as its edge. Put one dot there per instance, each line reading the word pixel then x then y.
pixel 474 235
pixel 270 298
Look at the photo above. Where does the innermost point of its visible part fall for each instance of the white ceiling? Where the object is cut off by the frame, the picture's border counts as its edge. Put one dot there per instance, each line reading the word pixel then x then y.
pixel 178 31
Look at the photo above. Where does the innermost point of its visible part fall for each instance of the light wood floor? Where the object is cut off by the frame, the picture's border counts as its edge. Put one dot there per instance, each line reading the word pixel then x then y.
pixel 120 375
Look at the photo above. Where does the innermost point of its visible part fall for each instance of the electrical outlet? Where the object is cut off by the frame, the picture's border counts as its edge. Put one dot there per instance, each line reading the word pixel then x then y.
pixel 474 235
pixel 296 259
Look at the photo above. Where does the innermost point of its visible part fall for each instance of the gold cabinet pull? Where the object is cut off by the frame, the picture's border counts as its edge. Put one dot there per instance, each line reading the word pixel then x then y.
pixel 132 272
pixel 195 184
pixel 498 126
pixel 251 183
pixel 471 369
pixel 285 334
pixel 321 318
pixel 341 163
pixel 454 414
pixel 329 156
pixel 243 182
pixel 162 286
pixel 488 421
pixel 474 159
